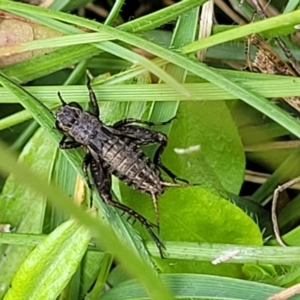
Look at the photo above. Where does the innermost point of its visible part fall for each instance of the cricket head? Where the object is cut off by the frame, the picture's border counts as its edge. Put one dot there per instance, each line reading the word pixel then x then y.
pixel 67 115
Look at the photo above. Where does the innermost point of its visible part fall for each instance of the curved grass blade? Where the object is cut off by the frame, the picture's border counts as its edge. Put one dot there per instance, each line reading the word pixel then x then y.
pixel 192 286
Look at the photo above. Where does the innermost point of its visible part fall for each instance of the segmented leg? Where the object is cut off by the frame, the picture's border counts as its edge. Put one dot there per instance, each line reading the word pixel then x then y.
pixel 102 182
pixel 63 144
pixel 155 205
pixel 248 54
pixel 93 100
pixel 130 121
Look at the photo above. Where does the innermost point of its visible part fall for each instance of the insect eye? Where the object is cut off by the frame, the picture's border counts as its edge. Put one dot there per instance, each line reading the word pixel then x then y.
pixel 74 104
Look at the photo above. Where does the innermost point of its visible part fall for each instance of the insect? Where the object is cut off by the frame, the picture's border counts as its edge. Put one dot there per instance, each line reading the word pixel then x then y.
pixel 267 61
pixel 115 150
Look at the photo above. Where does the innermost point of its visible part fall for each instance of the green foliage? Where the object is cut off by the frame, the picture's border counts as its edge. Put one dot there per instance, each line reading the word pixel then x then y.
pixel 47 254
pixel 60 254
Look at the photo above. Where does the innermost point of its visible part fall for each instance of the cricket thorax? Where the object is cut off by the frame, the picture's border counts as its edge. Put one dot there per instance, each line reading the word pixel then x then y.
pixel 85 129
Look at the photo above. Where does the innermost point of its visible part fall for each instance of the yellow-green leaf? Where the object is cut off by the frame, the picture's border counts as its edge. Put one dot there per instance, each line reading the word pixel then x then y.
pixel 49 267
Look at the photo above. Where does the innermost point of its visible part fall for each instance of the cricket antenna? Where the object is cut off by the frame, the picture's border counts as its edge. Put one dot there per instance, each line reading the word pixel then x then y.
pixel 61 99
pixel 88 81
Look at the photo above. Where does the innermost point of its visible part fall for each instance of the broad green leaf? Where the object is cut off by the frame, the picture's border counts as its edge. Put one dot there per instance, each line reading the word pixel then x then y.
pixel 23 208
pixel 213 216
pixel 209 126
pixel 196 215
pixel 50 266
pixel 258 213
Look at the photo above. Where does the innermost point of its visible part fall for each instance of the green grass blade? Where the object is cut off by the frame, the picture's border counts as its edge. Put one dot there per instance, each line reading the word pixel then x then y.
pixel 61 41
pixel 274 23
pixel 161 17
pixel 195 286
pixel 114 12
pixel 56 60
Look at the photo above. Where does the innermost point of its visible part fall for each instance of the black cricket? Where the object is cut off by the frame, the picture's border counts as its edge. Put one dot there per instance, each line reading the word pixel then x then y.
pixel 115 150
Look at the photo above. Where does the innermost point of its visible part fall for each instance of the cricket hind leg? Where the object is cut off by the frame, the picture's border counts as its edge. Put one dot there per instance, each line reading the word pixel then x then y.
pixel 136 216
pixel 130 121
pixel 156 211
pixel 102 182
pixel 157 160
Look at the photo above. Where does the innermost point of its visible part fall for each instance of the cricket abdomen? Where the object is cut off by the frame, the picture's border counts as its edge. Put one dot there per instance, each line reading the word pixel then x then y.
pixel 127 162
